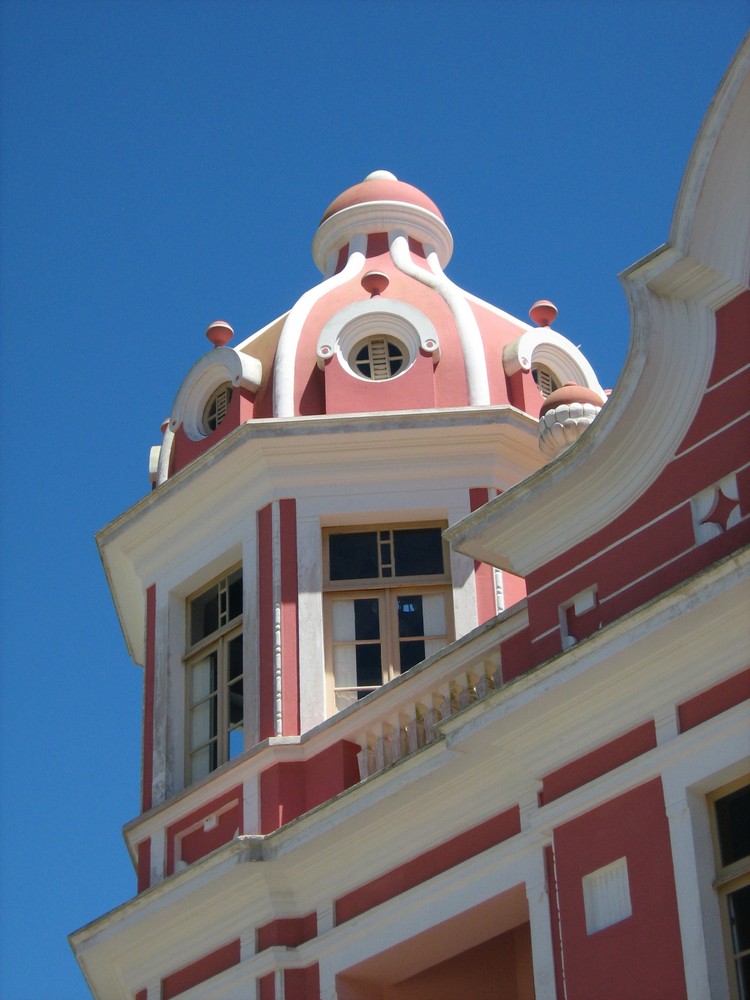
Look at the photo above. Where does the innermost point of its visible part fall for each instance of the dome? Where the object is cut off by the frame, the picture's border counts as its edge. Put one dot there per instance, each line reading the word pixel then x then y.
pixel 381 185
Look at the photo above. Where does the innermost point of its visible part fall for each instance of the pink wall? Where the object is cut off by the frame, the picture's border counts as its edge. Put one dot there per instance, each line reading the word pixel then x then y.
pixel 640 956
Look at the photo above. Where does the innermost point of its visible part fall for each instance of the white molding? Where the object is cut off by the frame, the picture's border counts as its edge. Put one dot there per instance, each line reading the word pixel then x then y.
pixel 541 345
pixel 377 315
pixel 359 221
pixel 222 364
pixel 475 363
pixel 286 351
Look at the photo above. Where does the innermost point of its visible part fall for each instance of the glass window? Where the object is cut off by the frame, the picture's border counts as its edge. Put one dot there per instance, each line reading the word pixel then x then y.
pixel 215 671
pixel 399 613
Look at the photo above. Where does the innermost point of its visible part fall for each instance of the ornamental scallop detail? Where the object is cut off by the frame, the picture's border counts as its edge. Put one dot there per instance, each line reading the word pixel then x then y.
pixel 565 415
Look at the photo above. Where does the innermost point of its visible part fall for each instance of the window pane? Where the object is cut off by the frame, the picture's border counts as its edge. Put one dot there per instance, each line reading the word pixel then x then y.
pixel 236 742
pixel 203 722
pixel 204 614
pixel 345 667
pixel 234 586
pixel 739 916
pixel 203 678
pixel 366 618
pixel 353 556
pixel 433 614
pixel 234 656
pixel 369 670
pixel 203 762
pixel 410 621
pixel 418 552
pixel 412 652
pixel 343 621
pixel 733 819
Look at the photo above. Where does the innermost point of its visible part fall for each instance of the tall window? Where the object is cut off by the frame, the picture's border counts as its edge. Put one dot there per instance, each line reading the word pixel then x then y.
pixel 214 666
pixel 732 844
pixel 388 605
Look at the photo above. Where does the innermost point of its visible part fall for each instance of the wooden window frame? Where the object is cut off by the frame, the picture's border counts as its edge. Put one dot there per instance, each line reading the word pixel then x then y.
pixel 217 642
pixel 729 879
pixel 386 589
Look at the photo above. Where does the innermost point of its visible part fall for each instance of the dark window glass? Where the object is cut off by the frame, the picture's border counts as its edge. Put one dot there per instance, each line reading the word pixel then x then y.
pixel 411 652
pixel 418 552
pixel 234 586
pixel 204 614
pixel 410 618
pixel 369 669
pixel 733 820
pixel 353 556
pixel 739 917
pixel 366 618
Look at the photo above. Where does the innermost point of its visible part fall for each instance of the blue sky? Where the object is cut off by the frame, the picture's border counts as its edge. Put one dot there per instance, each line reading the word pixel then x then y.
pixel 165 164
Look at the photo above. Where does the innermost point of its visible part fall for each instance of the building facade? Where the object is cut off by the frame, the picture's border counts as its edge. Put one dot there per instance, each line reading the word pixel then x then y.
pixel 446 661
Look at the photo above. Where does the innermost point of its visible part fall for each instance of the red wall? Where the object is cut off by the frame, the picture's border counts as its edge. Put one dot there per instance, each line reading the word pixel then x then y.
pixel 639 958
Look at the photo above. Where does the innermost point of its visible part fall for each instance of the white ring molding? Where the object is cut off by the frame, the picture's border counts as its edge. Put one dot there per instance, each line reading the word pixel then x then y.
pixel 222 364
pixel 392 317
pixel 542 346
pixel 381 217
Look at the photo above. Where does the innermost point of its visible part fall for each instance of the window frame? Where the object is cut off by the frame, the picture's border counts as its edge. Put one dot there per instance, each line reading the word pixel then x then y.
pixel 387 589
pixel 730 878
pixel 217 642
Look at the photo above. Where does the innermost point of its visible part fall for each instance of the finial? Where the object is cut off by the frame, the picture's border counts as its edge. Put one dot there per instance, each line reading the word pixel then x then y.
pixel 219 333
pixel 543 312
pixel 375 282
pixel 381 175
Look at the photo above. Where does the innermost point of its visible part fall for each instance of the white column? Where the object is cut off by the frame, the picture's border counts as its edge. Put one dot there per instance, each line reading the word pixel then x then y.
pixel 687 886
pixel 540 923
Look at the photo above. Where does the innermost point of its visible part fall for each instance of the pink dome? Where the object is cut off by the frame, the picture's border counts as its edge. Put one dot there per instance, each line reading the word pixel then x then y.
pixel 381 186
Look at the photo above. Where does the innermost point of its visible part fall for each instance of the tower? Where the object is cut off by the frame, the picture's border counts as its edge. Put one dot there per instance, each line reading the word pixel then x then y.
pixel 430 710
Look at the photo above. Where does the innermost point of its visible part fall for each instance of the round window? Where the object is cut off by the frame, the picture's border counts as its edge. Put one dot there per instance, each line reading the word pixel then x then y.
pixel 378 358
pixel 216 408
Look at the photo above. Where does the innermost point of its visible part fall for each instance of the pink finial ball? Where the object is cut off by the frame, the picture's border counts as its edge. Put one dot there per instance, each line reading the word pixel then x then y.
pixel 543 312
pixel 219 333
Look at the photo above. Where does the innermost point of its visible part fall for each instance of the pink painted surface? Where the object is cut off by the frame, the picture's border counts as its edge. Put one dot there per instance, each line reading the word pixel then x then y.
pixel 143 853
pixel 515 655
pixel 195 844
pixel 714 701
pixel 381 190
pixel 184 451
pixel 640 956
pixel 302 984
pixel 287 932
pixel 199 971
pixel 514 589
pixel 598 762
pixel 289 605
pixel 266 718
pixel 484 579
pixel 149 678
pixel 267 987
pixel 426 866
pixel 290 788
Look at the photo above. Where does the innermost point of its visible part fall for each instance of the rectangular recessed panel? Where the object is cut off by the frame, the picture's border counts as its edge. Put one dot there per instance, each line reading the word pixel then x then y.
pixel 606 896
